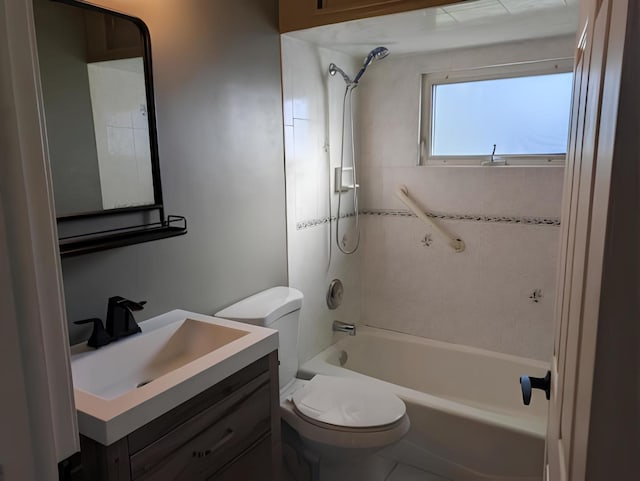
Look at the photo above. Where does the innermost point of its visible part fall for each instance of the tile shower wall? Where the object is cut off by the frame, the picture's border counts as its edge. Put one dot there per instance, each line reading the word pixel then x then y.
pixel 312 118
pixel 119 105
pixel 499 293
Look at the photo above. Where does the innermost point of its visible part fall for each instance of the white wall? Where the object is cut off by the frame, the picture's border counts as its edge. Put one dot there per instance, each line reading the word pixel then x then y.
pixel 312 103
pixel 479 297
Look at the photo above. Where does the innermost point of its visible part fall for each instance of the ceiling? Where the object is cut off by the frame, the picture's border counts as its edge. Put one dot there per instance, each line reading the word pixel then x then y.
pixel 465 24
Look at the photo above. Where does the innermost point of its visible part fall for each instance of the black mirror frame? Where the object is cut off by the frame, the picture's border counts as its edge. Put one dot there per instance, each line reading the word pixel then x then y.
pixel 167 226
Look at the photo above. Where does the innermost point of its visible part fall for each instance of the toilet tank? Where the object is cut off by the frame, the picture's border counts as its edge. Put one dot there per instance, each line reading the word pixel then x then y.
pixel 277 308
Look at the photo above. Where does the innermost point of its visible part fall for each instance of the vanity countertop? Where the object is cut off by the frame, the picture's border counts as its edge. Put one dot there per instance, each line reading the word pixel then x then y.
pixel 190 351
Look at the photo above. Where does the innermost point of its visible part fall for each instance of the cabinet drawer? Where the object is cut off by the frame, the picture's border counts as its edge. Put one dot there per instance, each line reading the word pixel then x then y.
pixel 251 466
pixel 168 422
pixel 205 443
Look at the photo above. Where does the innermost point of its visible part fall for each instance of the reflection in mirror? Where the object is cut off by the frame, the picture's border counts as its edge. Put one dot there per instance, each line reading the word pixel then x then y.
pixel 99 125
pixel 122 132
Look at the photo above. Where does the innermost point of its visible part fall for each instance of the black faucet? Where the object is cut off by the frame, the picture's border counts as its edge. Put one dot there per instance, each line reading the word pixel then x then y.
pixel 120 322
pixel 99 336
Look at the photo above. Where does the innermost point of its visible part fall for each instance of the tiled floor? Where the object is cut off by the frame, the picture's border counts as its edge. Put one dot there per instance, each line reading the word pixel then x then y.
pixel 402 472
pixel 372 468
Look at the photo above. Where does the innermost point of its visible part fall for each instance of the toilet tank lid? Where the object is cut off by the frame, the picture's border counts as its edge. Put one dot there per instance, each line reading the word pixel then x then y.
pixel 264 307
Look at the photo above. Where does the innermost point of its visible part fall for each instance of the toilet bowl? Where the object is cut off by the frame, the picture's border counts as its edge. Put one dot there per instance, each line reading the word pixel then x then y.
pixel 337 419
pixel 340 418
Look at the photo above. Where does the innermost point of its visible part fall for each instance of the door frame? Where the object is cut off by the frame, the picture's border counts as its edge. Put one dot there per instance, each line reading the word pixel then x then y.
pixel 604 263
pixel 31 248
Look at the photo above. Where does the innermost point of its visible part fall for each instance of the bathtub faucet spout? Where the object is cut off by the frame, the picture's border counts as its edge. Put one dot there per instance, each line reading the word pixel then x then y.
pixel 344 327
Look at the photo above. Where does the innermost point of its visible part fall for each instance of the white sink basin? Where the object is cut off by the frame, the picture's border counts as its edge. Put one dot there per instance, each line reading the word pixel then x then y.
pixel 120 387
pixel 135 362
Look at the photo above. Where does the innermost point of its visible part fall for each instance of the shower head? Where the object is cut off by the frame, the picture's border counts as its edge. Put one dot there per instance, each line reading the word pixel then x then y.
pixel 377 53
pixel 333 69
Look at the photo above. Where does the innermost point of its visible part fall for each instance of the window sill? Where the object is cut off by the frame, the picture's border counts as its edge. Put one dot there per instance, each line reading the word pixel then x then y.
pixel 499 162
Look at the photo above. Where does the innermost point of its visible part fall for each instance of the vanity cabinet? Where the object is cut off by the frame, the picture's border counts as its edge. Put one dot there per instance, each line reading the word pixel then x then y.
pixel 110 37
pixel 301 14
pixel 231 431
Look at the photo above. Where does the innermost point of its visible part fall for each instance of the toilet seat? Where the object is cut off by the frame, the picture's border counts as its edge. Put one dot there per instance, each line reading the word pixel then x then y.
pixel 333 427
pixel 347 404
pixel 385 431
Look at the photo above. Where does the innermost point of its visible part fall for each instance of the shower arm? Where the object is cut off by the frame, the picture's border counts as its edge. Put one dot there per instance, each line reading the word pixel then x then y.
pixel 402 193
pixel 333 69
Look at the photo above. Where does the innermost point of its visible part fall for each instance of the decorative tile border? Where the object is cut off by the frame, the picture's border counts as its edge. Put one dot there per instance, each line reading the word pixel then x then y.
pixel 553 221
pixel 306 224
pixel 542 221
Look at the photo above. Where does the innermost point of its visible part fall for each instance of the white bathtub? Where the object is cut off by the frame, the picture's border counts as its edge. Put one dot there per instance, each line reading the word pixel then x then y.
pixel 468 422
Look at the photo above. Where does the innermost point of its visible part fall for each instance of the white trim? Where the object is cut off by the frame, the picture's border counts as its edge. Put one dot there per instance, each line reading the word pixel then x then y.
pixel 36 277
pixel 512 70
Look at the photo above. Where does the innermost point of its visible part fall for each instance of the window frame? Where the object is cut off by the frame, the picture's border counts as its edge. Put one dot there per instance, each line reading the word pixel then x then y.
pixel 503 71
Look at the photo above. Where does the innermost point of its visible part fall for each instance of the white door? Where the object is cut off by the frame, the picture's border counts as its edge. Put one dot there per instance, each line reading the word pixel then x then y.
pixel 580 268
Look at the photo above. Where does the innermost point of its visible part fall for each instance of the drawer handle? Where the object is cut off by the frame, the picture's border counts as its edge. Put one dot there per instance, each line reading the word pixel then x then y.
pixel 226 438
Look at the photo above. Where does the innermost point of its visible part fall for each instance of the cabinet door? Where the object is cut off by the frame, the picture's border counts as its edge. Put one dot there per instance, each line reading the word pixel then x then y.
pixel 349 4
pixel 111 38
pixel 300 14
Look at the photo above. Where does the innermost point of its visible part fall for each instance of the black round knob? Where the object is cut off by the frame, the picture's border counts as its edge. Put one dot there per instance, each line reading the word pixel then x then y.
pixel 527 383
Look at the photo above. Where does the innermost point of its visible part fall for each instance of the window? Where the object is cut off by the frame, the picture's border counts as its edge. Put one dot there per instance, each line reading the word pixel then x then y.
pixel 513 114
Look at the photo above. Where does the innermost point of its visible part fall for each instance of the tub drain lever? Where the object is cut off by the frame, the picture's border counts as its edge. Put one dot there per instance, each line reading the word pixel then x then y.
pixel 527 383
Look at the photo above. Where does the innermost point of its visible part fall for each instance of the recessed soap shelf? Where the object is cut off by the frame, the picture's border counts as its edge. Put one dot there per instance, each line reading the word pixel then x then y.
pixel 340 185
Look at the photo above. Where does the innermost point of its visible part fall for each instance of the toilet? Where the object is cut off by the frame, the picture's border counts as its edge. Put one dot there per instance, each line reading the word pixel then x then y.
pixel 337 418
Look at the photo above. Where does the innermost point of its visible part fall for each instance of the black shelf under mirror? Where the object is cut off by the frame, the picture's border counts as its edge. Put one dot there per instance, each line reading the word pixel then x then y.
pixel 74 245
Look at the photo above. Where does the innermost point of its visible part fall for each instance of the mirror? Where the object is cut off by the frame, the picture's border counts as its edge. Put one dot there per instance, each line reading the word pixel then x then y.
pixel 97 90
pixel 95 71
